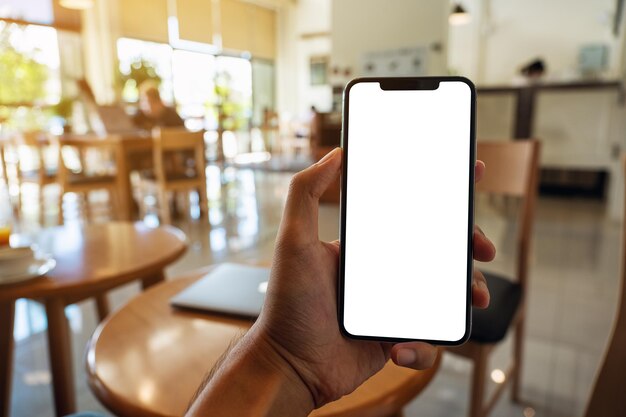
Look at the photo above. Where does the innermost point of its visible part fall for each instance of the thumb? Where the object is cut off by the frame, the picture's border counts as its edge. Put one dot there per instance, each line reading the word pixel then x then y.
pixel 301 212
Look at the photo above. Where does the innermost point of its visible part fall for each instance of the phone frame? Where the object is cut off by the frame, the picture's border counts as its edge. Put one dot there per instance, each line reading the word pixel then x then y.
pixel 401 83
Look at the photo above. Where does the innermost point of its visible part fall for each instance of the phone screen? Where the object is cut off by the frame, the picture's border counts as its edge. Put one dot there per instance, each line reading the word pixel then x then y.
pixel 407 212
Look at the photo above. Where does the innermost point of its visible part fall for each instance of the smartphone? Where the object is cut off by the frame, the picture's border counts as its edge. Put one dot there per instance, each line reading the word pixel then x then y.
pixel 407 192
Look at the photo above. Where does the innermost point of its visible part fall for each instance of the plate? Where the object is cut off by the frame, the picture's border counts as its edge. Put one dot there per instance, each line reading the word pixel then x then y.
pixel 35 269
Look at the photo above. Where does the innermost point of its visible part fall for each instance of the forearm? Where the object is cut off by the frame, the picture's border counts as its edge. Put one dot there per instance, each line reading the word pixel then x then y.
pixel 252 381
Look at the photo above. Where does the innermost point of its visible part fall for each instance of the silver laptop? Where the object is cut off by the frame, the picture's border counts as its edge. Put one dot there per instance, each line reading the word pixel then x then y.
pixel 229 288
pixel 115 120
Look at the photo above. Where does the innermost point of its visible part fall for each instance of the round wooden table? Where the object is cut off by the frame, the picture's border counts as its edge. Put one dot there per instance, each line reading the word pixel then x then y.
pixel 148 359
pixel 91 260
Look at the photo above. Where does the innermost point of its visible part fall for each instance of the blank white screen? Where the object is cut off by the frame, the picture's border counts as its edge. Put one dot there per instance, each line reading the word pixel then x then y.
pixel 406 230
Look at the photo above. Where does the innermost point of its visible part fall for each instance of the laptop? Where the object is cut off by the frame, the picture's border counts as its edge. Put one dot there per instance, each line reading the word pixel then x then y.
pixel 229 288
pixel 114 120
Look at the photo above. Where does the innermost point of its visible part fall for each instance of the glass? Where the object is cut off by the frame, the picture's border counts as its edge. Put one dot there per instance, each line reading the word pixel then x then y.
pixel 5 234
pixel 6 217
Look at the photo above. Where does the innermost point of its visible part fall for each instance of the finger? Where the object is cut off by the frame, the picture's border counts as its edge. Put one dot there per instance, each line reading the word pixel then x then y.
pixel 479 170
pixel 333 246
pixel 484 249
pixel 301 210
pixel 480 291
pixel 415 355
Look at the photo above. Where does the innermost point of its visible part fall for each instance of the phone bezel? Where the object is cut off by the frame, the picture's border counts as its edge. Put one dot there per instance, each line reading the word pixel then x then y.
pixel 397 83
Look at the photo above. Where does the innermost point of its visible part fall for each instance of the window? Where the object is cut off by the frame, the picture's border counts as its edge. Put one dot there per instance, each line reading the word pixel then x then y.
pixel 36 11
pixel 188 80
pixel 194 86
pixel 30 76
pixel 140 61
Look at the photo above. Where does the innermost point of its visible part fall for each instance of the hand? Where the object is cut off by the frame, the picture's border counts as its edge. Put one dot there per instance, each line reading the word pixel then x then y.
pixel 298 324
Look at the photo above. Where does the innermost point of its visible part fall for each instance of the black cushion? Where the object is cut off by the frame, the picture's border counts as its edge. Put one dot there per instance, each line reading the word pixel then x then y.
pixel 490 325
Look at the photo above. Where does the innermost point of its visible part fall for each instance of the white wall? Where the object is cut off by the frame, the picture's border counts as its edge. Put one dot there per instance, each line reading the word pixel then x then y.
pixel 354 27
pixel 295 95
pixel 506 34
pixel 362 26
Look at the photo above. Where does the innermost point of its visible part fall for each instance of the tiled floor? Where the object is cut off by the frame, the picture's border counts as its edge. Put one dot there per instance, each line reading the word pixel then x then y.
pixel 572 300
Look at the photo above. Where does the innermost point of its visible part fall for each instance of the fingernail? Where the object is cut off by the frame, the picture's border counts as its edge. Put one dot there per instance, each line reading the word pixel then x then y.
pixel 327 156
pixel 480 231
pixel 406 357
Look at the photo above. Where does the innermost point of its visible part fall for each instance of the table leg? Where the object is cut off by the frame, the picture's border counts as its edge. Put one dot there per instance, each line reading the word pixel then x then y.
pixel 7 315
pixel 152 280
pixel 102 306
pixel 60 352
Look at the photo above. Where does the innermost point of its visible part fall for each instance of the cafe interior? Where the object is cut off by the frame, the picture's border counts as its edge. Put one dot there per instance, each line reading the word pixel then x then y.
pixel 148 143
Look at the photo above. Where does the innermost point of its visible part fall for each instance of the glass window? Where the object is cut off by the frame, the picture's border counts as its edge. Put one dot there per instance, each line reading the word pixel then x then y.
pixel 235 75
pixel 30 76
pixel 35 11
pixel 194 87
pixel 263 89
pixel 140 61
pixel 201 85
pixel 29 64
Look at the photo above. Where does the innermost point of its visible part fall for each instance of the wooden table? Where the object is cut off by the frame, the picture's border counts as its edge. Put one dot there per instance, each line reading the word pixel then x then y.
pixel 90 261
pixel 147 359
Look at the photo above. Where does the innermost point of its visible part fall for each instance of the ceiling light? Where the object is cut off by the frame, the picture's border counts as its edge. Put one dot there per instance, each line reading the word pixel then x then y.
pixel 459 15
pixel 76 4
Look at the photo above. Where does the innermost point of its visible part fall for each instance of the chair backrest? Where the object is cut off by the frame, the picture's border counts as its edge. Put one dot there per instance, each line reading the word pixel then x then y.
pixel 326 130
pixel 512 169
pixel 35 144
pixel 607 397
pixel 78 162
pixel 175 145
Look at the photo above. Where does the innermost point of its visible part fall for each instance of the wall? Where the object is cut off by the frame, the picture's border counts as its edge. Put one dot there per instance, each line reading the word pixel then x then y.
pixel 346 29
pixel 579 129
pixel 362 26
pixel 295 95
pixel 505 34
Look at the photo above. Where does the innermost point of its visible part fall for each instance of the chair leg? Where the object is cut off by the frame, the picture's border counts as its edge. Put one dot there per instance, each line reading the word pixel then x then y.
pixel 60 214
pixel 114 204
pixel 20 200
pixel 186 206
pixel 204 202
pixel 85 198
pixel 518 355
pixel 479 381
pixel 164 206
pixel 42 205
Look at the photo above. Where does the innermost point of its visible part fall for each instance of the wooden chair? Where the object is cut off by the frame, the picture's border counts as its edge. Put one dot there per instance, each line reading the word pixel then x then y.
pixel 179 165
pixel 92 168
pixel 3 162
pixel 325 131
pixel 270 129
pixel 607 397
pixel 512 171
pixel 34 166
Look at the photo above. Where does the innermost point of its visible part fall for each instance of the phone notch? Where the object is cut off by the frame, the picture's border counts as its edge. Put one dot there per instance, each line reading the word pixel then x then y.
pixel 409 84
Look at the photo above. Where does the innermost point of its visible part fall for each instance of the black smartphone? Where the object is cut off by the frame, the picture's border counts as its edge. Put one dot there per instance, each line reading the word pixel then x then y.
pixel 407 209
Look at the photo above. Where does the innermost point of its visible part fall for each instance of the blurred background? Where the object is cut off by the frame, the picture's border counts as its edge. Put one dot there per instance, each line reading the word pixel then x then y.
pixel 262 82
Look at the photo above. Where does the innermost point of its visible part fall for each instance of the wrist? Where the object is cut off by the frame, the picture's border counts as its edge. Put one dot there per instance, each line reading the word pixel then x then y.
pixel 293 391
